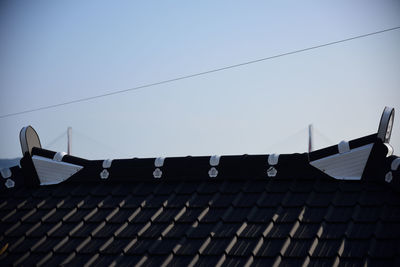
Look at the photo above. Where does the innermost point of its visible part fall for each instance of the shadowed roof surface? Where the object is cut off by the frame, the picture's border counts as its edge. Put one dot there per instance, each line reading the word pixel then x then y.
pixel 226 222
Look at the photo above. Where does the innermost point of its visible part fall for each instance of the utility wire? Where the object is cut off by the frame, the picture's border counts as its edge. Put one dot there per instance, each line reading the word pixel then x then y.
pixel 327 140
pixel 290 138
pixel 197 74
pixel 55 140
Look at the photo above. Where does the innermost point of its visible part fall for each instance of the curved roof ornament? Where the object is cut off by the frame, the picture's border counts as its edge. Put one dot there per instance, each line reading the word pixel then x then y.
pixel 29 139
pixel 386 124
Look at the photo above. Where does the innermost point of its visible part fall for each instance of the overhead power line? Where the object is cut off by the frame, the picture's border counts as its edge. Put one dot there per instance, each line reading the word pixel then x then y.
pixel 197 74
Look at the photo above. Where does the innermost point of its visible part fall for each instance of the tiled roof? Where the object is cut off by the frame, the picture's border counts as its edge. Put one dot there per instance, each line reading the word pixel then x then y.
pixel 256 222
pixel 335 206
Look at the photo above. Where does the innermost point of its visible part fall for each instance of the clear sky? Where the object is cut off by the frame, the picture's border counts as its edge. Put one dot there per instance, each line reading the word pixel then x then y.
pixel 58 51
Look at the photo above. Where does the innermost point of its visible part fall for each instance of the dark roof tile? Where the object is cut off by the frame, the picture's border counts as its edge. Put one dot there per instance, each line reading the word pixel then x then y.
pixel 63 191
pixel 122 215
pixel 340 214
pixel 200 201
pixel 176 230
pixel 81 190
pixel 163 246
pixel 350 262
pixel 263 261
pixel 228 229
pixel 116 246
pixel 78 260
pixel 279 186
pixel 178 201
pixel 288 214
pixel 27 244
pixel 320 199
pixel 207 260
pixel 71 244
pixel 367 214
pixel 16 216
pixel 107 230
pixel 223 201
pixel 34 258
pixel 346 198
pixel 78 215
pixel 122 189
pixel 133 201
pixel 59 230
pixel 57 259
pixel 387 230
pixel 351 186
pixel 91 247
pixel 214 214
pixel 287 261
pixel 92 202
pixel 302 185
pixel 234 261
pixel 190 247
pixel 327 248
pixel 167 215
pixel 354 248
pixel 243 246
pixel 99 215
pixel 314 214
pixel 72 202
pixel 101 190
pixel 248 200
pixel 321 261
pixel 295 200
pixel 11 259
pixel 167 188
pixel 30 203
pixel 156 201
pixel 154 230
pixel 202 230
pixel 216 246
pixel 23 192
pixel 15 230
pixel 48 244
pixel 307 230
pixel 271 247
pixel 42 192
pixel 253 230
pixel 390 213
pixel 372 198
pixel 113 201
pixel 384 248
pixel 79 230
pixel 144 215
pixel 236 215
pixel 104 260
pixel 190 215
pixel 382 262
pixel 361 230
pixel 256 186
pixel 326 186
pixel 153 260
pixel 233 187
pixel 131 230
pixel 280 230
pixel 189 188
pixel 206 188
pixel 145 189
pixel 298 247
pixel 333 230
pixel 271 199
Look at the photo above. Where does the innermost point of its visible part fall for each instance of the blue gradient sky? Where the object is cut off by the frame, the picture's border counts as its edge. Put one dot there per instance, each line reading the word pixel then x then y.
pixel 57 51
